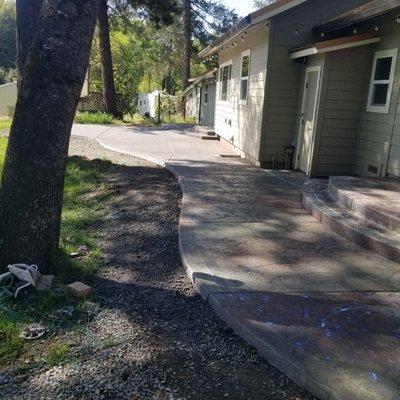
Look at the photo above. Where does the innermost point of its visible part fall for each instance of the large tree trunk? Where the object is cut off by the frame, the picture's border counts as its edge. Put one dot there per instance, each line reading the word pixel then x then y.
pixel 33 177
pixel 28 16
pixel 109 94
pixel 187 43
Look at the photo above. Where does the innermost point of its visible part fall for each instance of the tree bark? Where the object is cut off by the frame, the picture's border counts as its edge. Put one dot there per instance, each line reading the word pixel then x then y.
pixel 28 16
pixel 109 93
pixel 34 169
pixel 187 43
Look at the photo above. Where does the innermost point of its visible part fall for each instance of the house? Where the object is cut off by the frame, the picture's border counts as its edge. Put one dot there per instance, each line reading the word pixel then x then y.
pixel 351 95
pixel 200 98
pixel 272 60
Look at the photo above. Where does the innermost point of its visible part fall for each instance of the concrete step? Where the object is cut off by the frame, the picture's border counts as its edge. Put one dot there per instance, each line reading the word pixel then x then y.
pixel 204 130
pixel 210 137
pixel 317 201
pixel 377 200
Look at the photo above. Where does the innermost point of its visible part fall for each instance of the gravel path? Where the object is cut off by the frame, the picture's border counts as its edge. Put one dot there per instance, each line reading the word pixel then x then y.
pixel 153 337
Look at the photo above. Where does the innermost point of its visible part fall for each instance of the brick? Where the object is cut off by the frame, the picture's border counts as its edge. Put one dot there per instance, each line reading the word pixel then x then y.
pixel 79 289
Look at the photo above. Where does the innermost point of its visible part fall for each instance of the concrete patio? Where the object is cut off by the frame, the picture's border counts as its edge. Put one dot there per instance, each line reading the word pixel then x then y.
pixel 320 308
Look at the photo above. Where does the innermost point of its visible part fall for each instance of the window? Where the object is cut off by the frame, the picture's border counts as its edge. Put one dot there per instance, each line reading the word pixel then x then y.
pixel 206 95
pixel 224 80
pixel 382 77
pixel 244 77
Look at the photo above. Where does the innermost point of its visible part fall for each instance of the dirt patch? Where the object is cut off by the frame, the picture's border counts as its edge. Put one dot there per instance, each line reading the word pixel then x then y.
pixel 153 336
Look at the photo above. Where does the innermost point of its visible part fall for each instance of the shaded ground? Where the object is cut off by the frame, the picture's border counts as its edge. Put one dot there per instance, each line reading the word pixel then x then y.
pixel 153 337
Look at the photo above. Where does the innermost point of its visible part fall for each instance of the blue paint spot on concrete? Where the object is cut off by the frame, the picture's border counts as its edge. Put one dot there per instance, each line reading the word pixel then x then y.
pixel 328 333
pixel 373 376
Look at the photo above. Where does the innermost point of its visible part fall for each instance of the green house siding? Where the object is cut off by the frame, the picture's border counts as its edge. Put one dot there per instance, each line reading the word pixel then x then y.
pixel 379 141
pixel 284 83
pixel 345 79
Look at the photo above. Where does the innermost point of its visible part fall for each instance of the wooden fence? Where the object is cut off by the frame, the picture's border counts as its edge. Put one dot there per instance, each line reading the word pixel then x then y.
pixel 8 98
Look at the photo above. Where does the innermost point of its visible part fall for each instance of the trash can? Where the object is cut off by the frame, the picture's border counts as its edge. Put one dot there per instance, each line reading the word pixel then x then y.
pixel 289 155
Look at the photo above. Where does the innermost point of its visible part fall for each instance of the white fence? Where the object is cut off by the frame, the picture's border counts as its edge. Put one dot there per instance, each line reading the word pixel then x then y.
pixel 8 98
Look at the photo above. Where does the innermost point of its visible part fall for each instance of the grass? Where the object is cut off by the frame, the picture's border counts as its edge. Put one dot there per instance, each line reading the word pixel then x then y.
pixel 5 124
pixel 99 118
pixel 80 211
pixel 58 354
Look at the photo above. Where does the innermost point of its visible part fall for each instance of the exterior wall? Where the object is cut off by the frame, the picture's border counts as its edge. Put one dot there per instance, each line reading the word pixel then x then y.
pixel 239 123
pixel 8 98
pixel 208 110
pixel 345 75
pixel 284 83
pixel 379 142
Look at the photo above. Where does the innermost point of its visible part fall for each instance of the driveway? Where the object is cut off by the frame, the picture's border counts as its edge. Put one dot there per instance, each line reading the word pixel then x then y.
pixel 321 309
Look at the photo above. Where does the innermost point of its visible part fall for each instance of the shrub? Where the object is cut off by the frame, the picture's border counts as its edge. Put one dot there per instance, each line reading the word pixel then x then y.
pixel 99 118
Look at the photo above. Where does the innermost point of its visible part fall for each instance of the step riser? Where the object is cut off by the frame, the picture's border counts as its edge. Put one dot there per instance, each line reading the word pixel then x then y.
pixel 363 210
pixel 210 137
pixel 316 208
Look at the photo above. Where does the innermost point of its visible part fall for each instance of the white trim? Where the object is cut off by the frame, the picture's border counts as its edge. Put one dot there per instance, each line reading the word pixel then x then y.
pixel 301 129
pixel 219 86
pixel 313 50
pixel 246 53
pixel 382 54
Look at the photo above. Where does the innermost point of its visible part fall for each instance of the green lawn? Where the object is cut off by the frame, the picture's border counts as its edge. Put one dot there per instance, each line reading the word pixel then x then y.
pixel 5 124
pixel 79 213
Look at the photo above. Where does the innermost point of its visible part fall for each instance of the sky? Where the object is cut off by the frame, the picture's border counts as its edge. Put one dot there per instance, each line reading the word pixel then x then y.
pixel 243 7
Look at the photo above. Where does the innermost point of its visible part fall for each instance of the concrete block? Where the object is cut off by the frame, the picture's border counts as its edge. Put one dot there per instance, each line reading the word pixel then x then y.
pixel 79 290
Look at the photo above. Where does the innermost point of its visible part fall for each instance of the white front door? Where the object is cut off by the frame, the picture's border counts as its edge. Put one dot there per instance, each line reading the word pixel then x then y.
pixel 308 119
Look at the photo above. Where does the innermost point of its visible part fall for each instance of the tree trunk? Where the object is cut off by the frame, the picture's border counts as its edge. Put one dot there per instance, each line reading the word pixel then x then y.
pixel 28 16
pixel 187 43
pixel 34 169
pixel 107 73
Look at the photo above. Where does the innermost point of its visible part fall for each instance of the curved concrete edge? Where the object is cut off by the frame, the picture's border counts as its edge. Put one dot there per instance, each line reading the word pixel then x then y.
pixel 340 221
pixel 303 368
pixel 360 208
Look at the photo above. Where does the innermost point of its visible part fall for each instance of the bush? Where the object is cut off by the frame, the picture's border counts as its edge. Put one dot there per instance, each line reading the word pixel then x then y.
pixel 99 118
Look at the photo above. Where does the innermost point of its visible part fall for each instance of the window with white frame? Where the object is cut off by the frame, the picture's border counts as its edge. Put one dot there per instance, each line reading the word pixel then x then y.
pixel 244 76
pixel 206 95
pixel 224 81
pixel 381 86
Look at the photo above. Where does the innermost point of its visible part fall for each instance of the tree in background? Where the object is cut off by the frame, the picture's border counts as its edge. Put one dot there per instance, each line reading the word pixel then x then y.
pixel 159 12
pixel 8 48
pixel 262 3
pixel 109 93
pixel 204 20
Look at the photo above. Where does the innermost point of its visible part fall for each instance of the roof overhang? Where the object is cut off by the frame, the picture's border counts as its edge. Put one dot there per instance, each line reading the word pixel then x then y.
pixel 335 44
pixel 369 10
pixel 208 75
pixel 254 18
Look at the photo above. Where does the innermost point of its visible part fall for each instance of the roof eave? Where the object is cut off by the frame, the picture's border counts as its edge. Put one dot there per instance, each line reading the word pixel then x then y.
pixel 254 18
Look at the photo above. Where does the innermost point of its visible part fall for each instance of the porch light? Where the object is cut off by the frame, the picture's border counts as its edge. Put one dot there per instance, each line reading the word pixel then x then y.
pixel 398 18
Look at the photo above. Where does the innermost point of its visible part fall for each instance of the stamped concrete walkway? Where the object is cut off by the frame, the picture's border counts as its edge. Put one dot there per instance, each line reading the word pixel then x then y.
pixel 321 309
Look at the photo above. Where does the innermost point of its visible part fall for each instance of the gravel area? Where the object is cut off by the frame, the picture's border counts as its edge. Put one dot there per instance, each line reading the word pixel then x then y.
pixel 153 336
